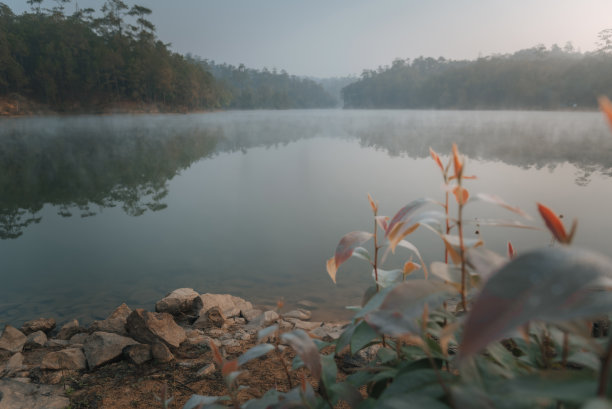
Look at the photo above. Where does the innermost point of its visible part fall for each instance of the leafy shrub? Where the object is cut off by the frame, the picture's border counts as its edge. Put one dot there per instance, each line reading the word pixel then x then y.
pixel 479 330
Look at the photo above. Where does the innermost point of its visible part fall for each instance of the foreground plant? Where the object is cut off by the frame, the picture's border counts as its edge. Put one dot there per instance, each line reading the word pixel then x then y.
pixel 518 337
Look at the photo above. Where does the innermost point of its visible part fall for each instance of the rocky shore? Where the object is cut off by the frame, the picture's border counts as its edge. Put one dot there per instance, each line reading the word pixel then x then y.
pixel 42 366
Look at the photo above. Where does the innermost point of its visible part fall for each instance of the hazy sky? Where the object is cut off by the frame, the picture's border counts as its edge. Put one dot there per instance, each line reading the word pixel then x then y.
pixel 340 37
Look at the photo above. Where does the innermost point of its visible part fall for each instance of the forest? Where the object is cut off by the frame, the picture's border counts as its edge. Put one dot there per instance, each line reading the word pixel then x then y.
pixel 534 78
pixel 90 60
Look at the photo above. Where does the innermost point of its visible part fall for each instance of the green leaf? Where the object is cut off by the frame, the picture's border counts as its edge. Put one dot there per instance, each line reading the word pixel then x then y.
pixel 386 355
pixel 345 337
pixel 416 401
pixel 388 278
pixel 404 305
pixel 362 336
pixel 362 253
pixel 597 404
pixel 197 400
pixel 306 349
pixel 345 392
pixel 255 352
pixel 329 371
pixel 264 333
pixel 552 285
pixel 422 381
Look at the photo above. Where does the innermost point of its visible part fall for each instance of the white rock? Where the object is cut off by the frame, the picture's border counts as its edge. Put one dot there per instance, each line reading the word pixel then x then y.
pixel 300 314
pixel 230 305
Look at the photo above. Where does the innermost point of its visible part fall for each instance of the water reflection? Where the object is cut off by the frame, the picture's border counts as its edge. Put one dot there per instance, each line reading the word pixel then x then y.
pixel 81 165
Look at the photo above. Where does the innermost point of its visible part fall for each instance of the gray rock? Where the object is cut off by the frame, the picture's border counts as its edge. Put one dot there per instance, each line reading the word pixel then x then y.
pixel 213 318
pixel 138 354
pixel 180 301
pixel 57 343
pixel 19 395
pixel 36 339
pixel 78 338
pixel 266 319
pixel 303 325
pixel 13 365
pixel 72 358
pixel 69 329
pixel 328 331
pixel 150 327
pixel 40 324
pixel 104 347
pixel 115 322
pixel 12 339
pixel 300 314
pixel 250 315
pixel 230 305
pixel 161 353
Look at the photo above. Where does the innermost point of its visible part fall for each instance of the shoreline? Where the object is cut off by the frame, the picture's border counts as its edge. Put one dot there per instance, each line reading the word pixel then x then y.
pixel 72 365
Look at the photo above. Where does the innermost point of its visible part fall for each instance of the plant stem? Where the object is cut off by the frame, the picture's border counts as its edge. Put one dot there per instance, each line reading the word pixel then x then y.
pixel 462 254
pixel 376 248
pixel 565 349
pixel 605 371
pixel 447 222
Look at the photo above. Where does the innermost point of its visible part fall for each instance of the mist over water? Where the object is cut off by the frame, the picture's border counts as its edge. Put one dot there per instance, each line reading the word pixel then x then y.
pixel 96 211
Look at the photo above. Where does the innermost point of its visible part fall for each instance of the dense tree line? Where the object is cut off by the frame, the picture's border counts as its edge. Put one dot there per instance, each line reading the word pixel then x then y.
pixel 535 78
pixel 269 89
pixel 94 59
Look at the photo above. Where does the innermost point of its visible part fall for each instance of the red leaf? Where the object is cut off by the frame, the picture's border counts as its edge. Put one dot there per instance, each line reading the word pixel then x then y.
pixel 373 204
pixel 457 160
pixel 554 224
pixel 435 157
pixel 216 354
pixel 606 107
pixel 461 194
pixel 511 251
pixel 229 367
pixel 345 249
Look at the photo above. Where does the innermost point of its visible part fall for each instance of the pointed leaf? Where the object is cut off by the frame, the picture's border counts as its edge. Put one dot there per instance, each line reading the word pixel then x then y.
pixel 373 204
pixel 345 249
pixel 511 251
pixel 410 266
pixel 554 224
pixel 436 158
pixel 404 305
pixel 382 222
pixel 484 261
pixel 362 336
pixel 306 349
pixel 362 253
pixel 264 333
pixel 396 233
pixel 552 284
pixel 457 162
pixel 405 212
pixel 500 223
pixel 496 200
pixel 255 352
pixel 216 354
pixel 229 367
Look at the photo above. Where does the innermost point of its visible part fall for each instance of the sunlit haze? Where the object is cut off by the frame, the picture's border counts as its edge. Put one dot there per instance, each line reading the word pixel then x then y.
pixel 337 38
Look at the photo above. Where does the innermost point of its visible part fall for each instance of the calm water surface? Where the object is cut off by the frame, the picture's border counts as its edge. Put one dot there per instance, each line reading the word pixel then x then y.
pixel 96 211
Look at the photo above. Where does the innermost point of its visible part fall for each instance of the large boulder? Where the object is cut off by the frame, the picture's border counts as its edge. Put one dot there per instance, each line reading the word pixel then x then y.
pixel 71 358
pixel 161 353
pixel 19 395
pixel 115 322
pixel 12 339
pixel 14 364
pixel 103 347
pixel 40 324
pixel 150 327
pixel 229 305
pixel 180 301
pixel 36 339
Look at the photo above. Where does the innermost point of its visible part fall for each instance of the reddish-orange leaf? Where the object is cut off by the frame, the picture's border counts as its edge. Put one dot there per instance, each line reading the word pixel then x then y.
pixel 435 157
pixel 216 354
pixel 345 249
pixel 410 266
pixel 553 223
pixel 511 251
pixel 398 233
pixel 606 107
pixel 382 222
pixel 332 269
pixel 229 367
pixel 373 204
pixel 457 160
pixel 461 194
pixel 280 304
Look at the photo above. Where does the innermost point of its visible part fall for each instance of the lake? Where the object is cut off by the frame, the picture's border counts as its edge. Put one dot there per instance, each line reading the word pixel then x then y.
pixel 100 210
